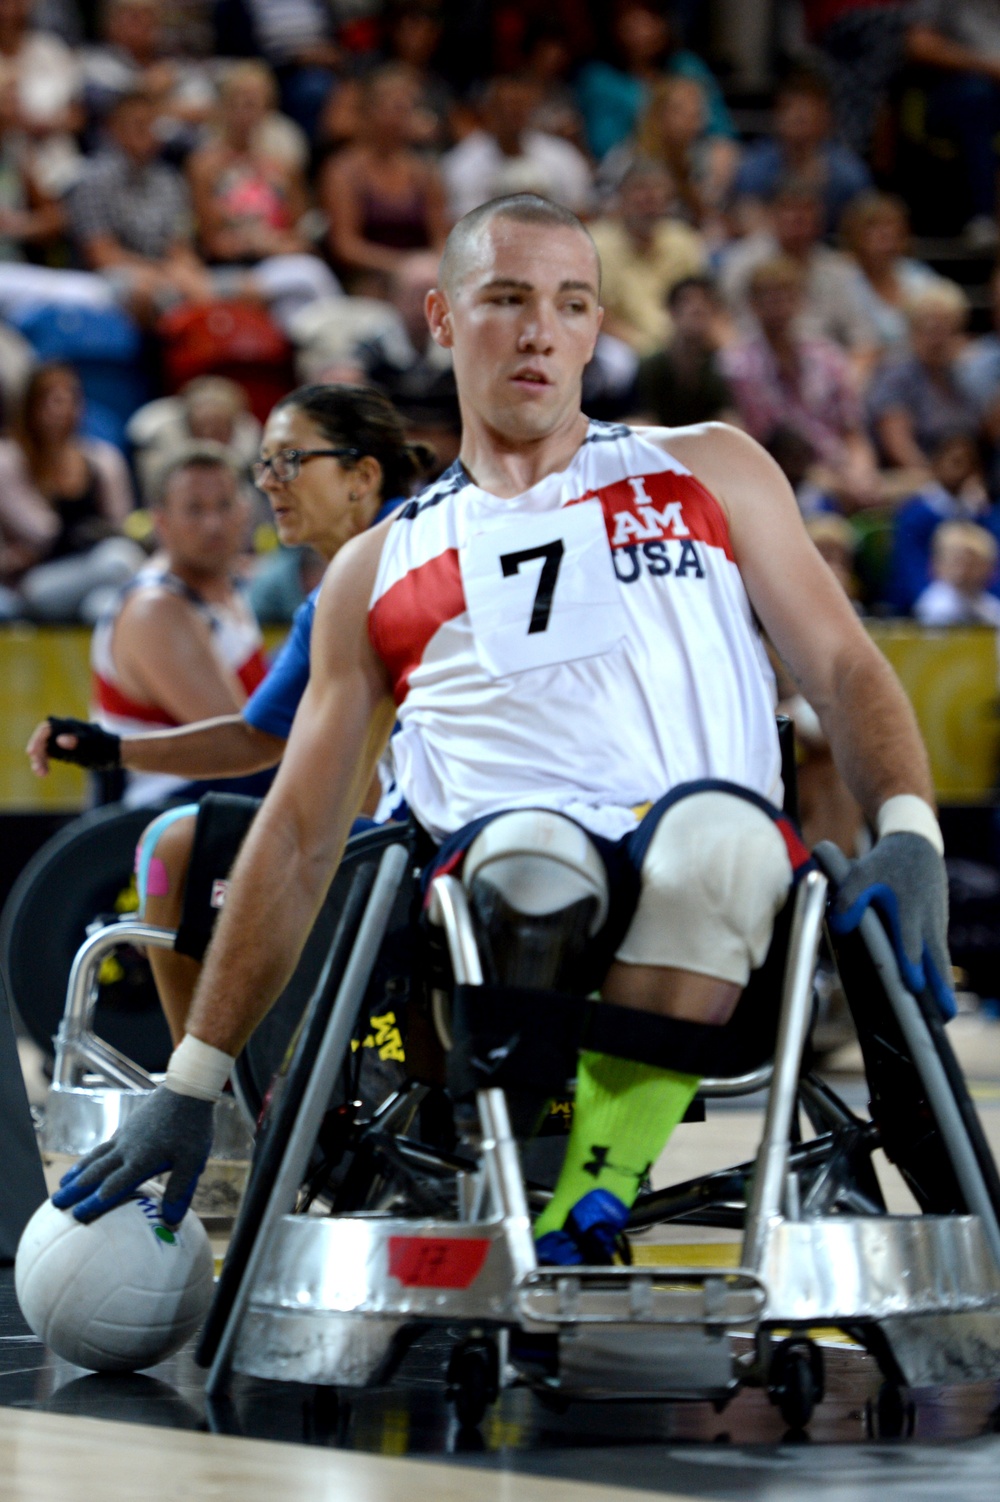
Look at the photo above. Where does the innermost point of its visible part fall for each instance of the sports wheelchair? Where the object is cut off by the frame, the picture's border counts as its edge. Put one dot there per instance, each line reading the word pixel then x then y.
pixel 388 1193
pixel 368 1219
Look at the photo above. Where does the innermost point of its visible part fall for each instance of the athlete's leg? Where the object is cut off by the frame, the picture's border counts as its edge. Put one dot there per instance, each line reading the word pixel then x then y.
pixel 166 857
pixel 714 872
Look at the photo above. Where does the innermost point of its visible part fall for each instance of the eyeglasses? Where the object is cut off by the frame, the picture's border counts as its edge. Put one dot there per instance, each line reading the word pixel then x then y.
pixel 286 463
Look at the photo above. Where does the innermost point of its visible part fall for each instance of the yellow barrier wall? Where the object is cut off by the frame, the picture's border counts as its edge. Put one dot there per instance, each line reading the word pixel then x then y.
pixel 950 676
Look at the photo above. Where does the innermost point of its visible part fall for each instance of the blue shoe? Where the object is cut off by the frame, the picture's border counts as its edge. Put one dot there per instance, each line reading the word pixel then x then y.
pixel 592 1235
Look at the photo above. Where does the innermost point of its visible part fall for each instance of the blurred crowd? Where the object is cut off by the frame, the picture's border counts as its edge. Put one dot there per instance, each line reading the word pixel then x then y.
pixel 204 202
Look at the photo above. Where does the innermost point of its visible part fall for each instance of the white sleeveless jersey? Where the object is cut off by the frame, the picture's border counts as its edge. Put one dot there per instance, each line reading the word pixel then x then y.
pixel 237 643
pixel 584 646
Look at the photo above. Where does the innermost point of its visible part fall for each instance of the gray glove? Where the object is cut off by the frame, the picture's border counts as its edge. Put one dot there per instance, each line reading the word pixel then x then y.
pixel 905 880
pixel 168 1131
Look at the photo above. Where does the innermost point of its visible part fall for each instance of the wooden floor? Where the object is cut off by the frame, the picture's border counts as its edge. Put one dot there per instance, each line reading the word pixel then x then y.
pixel 48 1458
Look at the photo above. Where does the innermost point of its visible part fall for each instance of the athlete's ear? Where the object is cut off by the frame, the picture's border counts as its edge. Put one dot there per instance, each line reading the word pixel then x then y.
pixel 438 314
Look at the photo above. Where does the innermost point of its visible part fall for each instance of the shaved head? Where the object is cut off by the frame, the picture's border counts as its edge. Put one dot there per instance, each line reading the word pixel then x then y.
pixel 460 249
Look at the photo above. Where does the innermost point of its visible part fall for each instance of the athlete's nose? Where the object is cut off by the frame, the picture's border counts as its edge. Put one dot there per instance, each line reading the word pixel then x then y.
pixel 537 333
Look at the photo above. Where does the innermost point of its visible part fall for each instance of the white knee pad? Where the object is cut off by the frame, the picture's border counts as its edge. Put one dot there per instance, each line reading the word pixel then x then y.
pixel 714 879
pixel 539 862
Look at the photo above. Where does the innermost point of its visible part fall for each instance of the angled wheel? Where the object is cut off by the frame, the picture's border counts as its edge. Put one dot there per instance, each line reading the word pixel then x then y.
pixel 795 1381
pixel 473 1379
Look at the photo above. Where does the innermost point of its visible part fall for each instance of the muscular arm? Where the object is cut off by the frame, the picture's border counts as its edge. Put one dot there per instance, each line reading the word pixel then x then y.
pixel 934 50
pixel 862 708
pixel 295 843
pixel 224 747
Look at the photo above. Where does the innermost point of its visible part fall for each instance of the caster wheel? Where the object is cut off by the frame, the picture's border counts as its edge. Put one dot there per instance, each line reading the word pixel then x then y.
pixel 890 1414
pixel 473 1380
pixel 795 1381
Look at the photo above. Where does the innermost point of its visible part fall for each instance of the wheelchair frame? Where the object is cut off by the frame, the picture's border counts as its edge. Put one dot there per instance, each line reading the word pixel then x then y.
pixel 336 1300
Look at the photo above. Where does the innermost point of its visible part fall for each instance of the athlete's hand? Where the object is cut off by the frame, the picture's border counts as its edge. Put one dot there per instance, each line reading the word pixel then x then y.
pixel 169 1131
pixel 904 879
pixel 78 741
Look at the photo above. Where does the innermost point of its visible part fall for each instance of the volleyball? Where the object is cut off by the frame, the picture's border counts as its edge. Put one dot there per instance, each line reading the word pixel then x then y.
pixel 119 1294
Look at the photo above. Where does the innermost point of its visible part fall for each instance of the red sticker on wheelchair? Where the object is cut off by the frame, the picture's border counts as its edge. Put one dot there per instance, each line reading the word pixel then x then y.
pixel 436 1261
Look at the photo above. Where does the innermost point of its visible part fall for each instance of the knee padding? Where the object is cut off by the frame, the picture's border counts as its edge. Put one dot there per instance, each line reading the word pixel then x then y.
pixel 537 891
pixel 714 877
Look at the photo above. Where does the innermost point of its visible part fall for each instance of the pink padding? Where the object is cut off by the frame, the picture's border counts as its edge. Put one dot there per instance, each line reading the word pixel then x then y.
pixel 157 880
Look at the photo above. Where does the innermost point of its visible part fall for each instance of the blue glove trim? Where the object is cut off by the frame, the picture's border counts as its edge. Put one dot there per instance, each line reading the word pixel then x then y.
pixel 917 978
pixel 174 1211
pixel 94 1205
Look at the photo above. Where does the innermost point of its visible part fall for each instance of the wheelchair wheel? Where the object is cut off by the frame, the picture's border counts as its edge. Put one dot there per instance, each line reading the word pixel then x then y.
pixel 795 1380
pixel 83 872
pixel 473 1379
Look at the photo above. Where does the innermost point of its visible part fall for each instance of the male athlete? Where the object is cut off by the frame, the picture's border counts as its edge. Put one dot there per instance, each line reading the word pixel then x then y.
pixel 182 644
pixel 565 626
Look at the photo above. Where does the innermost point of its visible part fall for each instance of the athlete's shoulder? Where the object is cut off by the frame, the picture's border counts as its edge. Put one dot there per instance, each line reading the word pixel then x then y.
pixel 727 461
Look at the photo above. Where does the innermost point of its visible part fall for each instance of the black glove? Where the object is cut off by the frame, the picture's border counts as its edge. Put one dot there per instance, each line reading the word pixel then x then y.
pixel 96 749
pixel 905 880
pixel 168 1131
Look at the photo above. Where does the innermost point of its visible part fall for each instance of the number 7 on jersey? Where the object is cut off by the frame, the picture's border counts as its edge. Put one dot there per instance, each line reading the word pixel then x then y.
pixel 541 590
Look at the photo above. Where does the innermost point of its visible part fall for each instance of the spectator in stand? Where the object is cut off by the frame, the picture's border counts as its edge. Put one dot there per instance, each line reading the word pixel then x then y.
pixel 249 205
pixel 683 383
pixel 672 131
pixel 802 150
pixel 643 254
pixel 132 55
pixel 415 31
pixel 63 500
pixel 963 561
pixel 131 216
pixel 959 41
pixel 548 63
pixel 46 76
pixel 914 400
pixel 874 231
pixel 295 38
pixel 208 409
pixel 862 46
pixel 31 220
pixel 381 197
pixel 783 379
pixel 978 373
pixel 835 305
pixel 507 155
pixel 612 96
pixel 954 492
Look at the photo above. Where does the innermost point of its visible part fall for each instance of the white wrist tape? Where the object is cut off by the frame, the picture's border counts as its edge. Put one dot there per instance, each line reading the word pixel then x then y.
pixel 908 814
pixel 198 1069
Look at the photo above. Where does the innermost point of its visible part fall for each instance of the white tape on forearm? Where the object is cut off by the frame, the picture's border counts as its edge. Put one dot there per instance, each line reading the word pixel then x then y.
pixel 198 1069
pixel 908 814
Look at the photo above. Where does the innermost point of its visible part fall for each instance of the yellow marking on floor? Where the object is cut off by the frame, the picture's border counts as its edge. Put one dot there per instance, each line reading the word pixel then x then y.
pixel 701 1254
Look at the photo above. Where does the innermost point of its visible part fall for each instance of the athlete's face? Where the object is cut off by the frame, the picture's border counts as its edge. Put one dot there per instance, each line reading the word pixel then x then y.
pixel 326 503
pixel 203 520
pixel 521 320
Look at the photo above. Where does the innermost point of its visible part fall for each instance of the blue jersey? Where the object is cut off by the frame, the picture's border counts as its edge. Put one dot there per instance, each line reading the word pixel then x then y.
pixel 272 705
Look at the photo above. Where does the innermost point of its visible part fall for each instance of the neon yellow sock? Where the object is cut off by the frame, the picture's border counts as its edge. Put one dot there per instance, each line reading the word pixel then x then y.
pixel 623 1117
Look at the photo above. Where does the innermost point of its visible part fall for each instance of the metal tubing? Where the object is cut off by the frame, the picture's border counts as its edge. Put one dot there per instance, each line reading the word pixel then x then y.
pixel 767 1193
pixel 336 1041
pixel 503 1175
pixel 449 909
pixel 76 1028
pixel 738 1084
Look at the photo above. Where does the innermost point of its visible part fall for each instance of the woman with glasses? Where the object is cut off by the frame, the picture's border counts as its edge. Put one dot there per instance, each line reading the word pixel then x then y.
pixel 334 461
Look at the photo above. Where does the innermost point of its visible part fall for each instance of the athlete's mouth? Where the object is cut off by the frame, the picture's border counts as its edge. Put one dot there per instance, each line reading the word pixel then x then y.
pixel 531 377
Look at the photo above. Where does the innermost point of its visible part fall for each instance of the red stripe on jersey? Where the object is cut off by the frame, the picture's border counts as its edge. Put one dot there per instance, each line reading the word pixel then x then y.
pixel 798 853
pixel 111 699
pixel 254 671
pixel 403 620
pixel 648 508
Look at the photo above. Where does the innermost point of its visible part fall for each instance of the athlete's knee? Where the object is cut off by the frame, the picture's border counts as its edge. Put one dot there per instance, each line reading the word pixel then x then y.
pixel 163 856
pixel 714 877
pixel 537 891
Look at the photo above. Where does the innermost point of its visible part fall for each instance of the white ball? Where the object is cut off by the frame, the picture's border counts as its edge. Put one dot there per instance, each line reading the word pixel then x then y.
pixel 119 1294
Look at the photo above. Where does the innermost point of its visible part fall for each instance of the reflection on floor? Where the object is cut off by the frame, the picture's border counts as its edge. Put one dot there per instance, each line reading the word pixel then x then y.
pixel 687 1448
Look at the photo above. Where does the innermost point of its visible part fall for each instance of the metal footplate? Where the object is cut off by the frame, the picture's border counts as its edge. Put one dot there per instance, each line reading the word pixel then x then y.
pixel 555 1297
